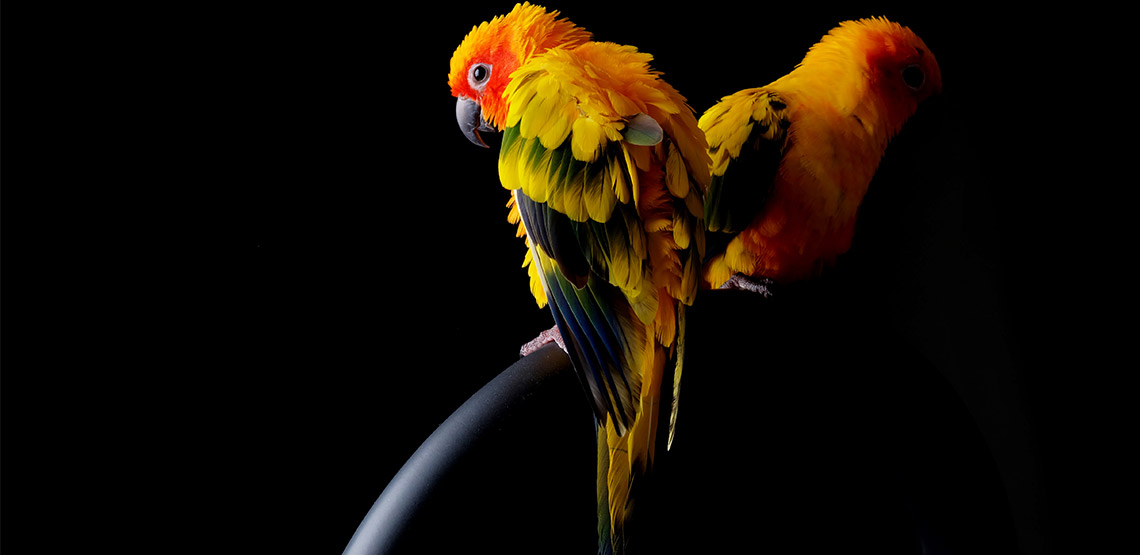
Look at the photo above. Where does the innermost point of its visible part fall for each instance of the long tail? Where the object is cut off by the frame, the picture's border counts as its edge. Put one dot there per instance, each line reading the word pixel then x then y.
pixel 625 463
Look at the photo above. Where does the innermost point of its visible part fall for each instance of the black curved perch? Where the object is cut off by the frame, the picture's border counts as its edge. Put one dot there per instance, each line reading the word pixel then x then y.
pixel 804 428
pixel 490 471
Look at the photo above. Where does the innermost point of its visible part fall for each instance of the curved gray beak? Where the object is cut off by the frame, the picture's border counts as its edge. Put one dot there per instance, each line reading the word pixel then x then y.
pixel 471 122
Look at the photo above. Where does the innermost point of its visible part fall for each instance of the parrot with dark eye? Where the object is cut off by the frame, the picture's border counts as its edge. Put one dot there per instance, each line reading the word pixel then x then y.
pixel 606 169
pixel 792 160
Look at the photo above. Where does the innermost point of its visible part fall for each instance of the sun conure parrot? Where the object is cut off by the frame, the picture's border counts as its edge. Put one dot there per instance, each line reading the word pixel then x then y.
pixel 606 168
pixel 792 160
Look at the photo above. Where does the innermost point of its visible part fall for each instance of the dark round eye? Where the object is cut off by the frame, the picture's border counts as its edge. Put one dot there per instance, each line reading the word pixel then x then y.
pixel 478 75
pixel 913 76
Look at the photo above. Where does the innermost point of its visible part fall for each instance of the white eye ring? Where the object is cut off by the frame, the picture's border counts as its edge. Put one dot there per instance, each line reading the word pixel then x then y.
pixel 478 75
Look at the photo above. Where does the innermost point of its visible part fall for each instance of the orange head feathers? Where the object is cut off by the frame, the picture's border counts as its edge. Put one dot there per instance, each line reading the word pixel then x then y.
pixel 880 60
pixel 482 65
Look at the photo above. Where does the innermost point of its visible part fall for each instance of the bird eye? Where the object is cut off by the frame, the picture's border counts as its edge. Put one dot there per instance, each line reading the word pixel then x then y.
pixel 913 76
pixel 478 74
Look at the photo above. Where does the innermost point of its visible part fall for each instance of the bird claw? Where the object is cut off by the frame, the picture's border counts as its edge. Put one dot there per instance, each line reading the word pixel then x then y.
pixel 741 282
pixel 543 338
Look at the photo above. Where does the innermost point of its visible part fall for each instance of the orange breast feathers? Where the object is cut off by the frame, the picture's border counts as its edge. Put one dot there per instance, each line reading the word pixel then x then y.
pixel 809 218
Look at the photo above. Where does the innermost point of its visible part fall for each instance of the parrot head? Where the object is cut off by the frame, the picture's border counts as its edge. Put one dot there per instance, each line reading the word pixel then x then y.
pixel 899 69
pixel 482 66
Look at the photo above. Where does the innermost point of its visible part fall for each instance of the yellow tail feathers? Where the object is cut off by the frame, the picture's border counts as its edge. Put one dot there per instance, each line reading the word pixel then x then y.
pixel 623 460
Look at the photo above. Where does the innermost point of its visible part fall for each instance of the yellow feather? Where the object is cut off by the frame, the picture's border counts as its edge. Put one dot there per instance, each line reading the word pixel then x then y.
pixel 613 130
pixel 667 100
pixel 657 223
pixel 738 258
pixel 690 282
pixel 586 139
pixel 622 103
pixel 600 199
pixel 644 300
pixel 548 87
pixel 514 217
pixel 716 271
pixel 680 360
pixel 634 182
pixel 555 133
pixel 567 199
pixel 682 229
pixel 537 115
pixel 537 189
pixel 695 203
pixel 536 288
pixel 509 167
pixel 620 180
pixel 617 479
pixel 637 241
pixel 676 174
pixel 521 91
pixel 620 267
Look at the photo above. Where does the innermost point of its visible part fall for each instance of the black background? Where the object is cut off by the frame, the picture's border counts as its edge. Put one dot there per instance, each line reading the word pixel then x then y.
pixel 250 263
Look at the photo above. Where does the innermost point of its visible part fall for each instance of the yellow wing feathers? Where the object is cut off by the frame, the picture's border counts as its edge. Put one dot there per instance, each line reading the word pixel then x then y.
pixel 590 97
pixel 729 124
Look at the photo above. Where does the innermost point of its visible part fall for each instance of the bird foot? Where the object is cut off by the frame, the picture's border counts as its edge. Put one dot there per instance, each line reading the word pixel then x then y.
pixel 741 282
pixel 543 338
